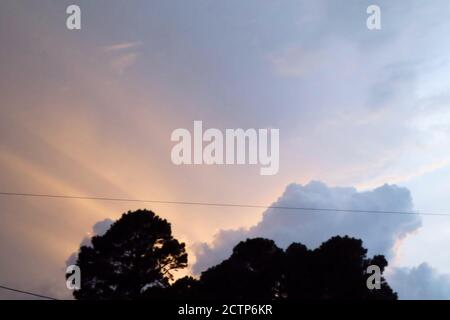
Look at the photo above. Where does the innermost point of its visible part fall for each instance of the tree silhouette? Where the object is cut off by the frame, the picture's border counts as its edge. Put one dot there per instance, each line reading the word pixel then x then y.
pixel 133 258
pixel 186 288
pixel 252 272
pixel 335 270
pixel 298 266
pixel 258 269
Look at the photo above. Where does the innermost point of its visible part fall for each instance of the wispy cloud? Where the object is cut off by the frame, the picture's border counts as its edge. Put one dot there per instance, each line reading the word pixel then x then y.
pixel 122 46
pixel 124 55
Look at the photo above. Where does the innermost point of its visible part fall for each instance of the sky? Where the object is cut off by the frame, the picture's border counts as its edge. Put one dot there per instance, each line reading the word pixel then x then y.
pixel 363 115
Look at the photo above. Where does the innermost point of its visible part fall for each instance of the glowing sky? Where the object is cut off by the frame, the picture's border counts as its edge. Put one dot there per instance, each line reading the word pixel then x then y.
pixel 90 112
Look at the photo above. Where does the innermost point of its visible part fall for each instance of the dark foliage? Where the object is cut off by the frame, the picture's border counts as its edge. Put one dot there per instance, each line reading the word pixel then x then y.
pixel 335 270
pixel 258 269
pixel 253 271
pixel 137 254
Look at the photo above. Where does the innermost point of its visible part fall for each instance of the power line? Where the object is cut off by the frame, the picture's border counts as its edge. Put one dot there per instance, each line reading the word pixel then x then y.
pixel 27 293
pixel 219 204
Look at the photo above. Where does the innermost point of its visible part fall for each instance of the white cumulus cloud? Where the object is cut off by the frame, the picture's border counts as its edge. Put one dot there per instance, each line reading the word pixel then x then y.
pixel 381 233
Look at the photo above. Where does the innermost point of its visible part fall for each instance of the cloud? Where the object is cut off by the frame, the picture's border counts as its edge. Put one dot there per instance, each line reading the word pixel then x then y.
pixel 125 55
pixel 380 232
pixel 419 283
pixel 122 46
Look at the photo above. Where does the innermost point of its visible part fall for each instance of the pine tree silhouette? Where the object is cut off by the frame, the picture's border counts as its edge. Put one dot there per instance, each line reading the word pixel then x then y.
pixel 135 256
